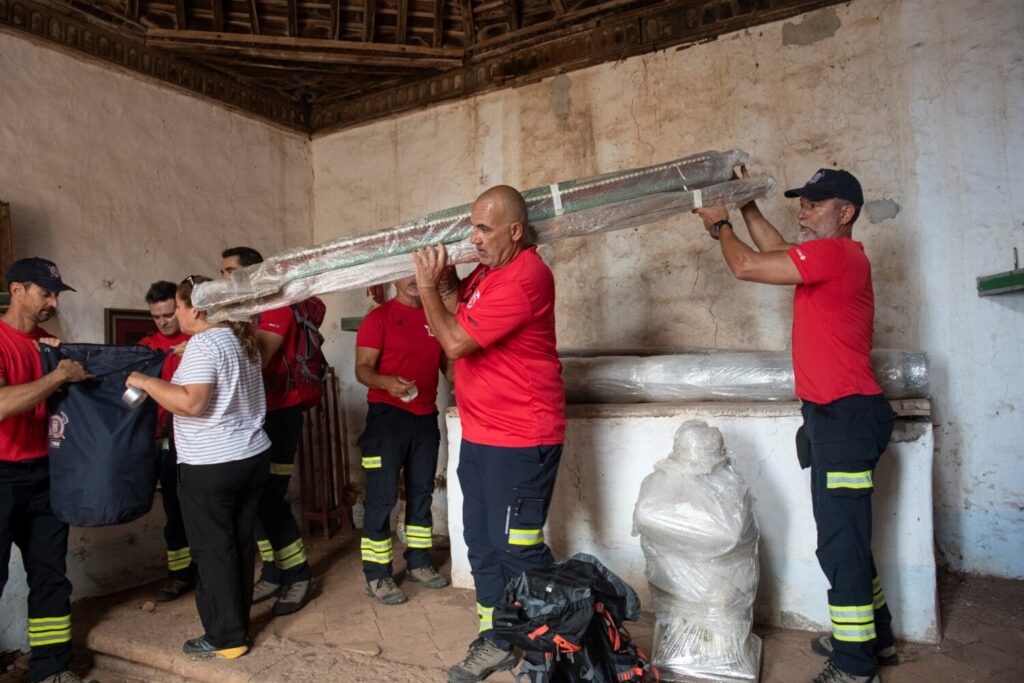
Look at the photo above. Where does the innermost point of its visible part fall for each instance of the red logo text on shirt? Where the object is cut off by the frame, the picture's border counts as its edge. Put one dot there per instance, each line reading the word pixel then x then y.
pixel 473 299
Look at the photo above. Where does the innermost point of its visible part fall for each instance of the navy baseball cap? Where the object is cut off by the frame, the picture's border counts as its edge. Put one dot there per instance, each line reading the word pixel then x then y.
pixel 38 271
pixel 828 183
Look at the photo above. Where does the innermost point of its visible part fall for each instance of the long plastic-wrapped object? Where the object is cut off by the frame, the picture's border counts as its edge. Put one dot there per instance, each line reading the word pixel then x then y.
pixel 721 376
pixel 698 533
pixel 618 216
pixel 452 225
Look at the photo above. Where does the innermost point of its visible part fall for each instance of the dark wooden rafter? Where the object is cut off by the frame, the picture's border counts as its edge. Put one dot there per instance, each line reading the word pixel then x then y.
pixel 369 17
pixel 402 27
pixel 438 23
pixel 180 15
pixel 467 22
pixel 293 18
pixel 217 6
pixel 133 9
pixel 559 6
pixel 335 19
pixel 513 14
pixel 254 18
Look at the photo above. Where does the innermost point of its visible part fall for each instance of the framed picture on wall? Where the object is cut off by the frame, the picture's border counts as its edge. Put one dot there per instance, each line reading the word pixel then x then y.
pixel 126 326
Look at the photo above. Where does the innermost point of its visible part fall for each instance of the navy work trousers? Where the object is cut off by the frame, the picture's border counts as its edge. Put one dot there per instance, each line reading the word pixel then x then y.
pixel 506 493
pixel 396 441
pixel 846 438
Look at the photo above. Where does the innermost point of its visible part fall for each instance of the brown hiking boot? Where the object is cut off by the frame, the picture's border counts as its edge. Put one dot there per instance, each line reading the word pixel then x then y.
pixel 483 659
pixel 293 597
pixel 831 674
pixel 174 589
pixel 428 576
pixel 887 656
pixel 264 590
pixel 385 591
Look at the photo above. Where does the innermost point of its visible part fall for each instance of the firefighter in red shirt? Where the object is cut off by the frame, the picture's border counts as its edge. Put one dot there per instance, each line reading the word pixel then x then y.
pixel 399 360
pixel 181 572
pixel 847 421
pixel 285 571
pixel 499 325
pixel 25 515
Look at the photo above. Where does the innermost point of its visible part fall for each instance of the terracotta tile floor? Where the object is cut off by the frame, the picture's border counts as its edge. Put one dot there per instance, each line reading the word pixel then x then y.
pixel 983 622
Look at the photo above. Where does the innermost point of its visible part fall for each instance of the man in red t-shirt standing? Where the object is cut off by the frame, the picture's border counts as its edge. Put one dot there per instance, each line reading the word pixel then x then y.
pixel 181 572
pixel 398 359
pixel 847 421
pixel 499 325
pixel 25 515
pixel 285 571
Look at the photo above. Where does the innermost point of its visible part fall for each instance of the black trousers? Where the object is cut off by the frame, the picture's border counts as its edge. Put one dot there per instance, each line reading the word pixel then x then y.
pixel 219 504
pixel 506 493
pixel 179 555
pixel 280 543
pixel 847 437
pixel 27 521
pixel 396 441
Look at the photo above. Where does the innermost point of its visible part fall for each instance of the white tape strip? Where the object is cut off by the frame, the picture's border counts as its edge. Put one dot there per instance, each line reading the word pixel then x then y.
pixel 556 197
pixel 698 201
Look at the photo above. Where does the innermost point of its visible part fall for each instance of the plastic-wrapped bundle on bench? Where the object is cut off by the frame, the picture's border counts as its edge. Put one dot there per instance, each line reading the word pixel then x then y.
pixel 620 215
pixel 699 536
pixel 702 375
pixel 452 225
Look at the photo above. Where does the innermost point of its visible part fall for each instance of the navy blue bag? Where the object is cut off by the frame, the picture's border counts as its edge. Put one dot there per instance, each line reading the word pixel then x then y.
pixel 103 457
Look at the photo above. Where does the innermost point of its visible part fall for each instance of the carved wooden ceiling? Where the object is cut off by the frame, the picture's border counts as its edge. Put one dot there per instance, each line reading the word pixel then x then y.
pixel 317 65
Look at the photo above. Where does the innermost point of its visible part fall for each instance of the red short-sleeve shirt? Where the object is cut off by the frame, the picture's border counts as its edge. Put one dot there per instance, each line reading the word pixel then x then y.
pixel 407 348
pixel 833 321
pixel 280 392
pixel 22 436
pixel 510 391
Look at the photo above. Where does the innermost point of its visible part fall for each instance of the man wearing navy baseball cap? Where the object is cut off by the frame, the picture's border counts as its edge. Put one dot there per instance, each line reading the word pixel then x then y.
pixel 26 518
pixel 847 421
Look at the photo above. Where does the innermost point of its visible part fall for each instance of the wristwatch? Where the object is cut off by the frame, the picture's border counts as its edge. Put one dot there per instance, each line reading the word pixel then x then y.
pixel 718 226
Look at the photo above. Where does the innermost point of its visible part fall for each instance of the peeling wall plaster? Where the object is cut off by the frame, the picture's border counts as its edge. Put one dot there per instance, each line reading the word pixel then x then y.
pixel 916 97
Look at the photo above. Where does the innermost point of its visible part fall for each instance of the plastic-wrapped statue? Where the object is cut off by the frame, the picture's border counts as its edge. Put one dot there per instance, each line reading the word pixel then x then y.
pixel 699 536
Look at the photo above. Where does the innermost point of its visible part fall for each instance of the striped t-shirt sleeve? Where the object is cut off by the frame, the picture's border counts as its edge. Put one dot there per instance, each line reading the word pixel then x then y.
pixel 199 364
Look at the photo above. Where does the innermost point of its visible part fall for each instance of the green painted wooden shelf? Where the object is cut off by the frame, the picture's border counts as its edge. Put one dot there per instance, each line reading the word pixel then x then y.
pixel 1001 283
pixel 351 324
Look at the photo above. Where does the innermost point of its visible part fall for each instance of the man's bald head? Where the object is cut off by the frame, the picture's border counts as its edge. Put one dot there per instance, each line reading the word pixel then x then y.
pixel 508 201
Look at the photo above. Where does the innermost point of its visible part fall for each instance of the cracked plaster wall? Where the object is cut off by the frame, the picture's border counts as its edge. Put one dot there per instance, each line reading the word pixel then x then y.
pixel 916 97
pixel 122 183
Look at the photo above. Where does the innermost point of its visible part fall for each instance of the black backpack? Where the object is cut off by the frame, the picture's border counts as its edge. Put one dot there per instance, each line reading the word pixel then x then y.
pixel 103 457
pixel 568 619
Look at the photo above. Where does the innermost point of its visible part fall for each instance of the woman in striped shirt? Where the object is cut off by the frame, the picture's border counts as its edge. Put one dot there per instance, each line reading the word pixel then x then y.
pixel 217 399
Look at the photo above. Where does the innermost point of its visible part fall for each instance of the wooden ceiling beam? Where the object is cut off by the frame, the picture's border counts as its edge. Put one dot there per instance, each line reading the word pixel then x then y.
pixel 180 15
pixel 369 16
pixel 438 22
pixel 335 19
pixel 559 6
pixel 218 14
pixel 467 22
pixel 513 14
pixel 311 50
pixel 403 21
pixel 254 18
pixel 293 18
pixel 133 9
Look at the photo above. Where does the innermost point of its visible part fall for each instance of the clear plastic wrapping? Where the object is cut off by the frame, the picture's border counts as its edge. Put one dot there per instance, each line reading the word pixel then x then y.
pixel 620 215
pixel 698 533
pixel 452 225
pixel 721 376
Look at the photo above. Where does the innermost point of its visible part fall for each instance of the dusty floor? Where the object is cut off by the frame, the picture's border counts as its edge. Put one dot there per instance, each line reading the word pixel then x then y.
pixel 343 636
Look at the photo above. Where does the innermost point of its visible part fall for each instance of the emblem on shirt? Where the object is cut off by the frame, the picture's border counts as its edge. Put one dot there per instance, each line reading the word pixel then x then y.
pixel 801 254
pixel 58 422
pixel 429 332
pixel 473 299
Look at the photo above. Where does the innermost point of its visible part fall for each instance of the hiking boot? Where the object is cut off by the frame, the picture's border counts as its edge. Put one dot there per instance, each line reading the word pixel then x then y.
pixel 66 676
pixel 201 648
pixel 428 576
pixel 887 656
pixel 293 597
pixel 174 589
pixel 385 591
pixel 830 674
pixel 483 659
pixel 264 590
